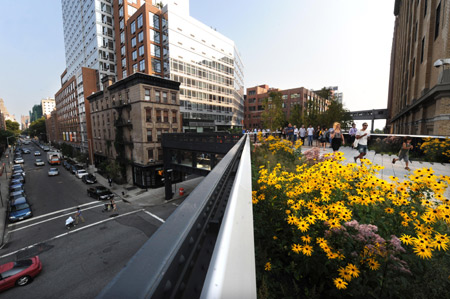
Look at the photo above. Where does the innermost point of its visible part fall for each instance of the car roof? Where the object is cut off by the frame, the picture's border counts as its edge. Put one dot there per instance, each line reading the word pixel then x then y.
pixel 18 201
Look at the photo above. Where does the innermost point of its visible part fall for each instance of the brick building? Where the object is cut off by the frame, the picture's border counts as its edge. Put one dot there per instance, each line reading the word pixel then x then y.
pixel 128 119
pixel 291 97
pixel 419 90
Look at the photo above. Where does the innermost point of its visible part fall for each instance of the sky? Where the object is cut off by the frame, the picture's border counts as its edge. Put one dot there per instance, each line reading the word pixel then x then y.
pixel 284 44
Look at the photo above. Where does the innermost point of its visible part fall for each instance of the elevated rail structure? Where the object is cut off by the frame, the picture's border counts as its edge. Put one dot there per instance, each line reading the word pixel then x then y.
pixel 370 115
pixel 205 248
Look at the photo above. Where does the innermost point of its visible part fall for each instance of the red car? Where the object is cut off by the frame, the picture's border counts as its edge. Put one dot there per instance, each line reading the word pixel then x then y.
pixel 19 273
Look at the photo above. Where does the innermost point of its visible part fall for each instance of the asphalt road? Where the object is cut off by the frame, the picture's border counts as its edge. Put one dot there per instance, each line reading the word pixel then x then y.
pixel 79 262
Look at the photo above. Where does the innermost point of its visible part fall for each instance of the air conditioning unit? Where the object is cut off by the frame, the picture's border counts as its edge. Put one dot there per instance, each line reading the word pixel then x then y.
pixel 151 161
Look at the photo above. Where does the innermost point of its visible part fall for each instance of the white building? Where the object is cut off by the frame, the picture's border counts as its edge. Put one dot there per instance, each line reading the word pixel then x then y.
pixel 209 68
pixel 88 42
pixel 48 105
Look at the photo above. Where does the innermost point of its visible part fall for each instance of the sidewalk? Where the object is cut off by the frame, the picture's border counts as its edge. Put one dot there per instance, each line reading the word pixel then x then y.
pixel 4 192
pixel 149 197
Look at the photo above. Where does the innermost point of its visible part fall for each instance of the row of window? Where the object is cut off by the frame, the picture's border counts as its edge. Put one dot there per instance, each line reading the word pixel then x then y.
pixel 158 98
pixel 207 107
pixel 161 116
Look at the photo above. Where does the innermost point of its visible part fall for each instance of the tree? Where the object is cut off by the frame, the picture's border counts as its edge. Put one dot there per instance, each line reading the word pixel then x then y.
pixel 4 134
pixel 12 126
pixel 296 117
pixel 273 116
pixel 324 93
pixel 313 114
pixel 336 113
pixel 37 128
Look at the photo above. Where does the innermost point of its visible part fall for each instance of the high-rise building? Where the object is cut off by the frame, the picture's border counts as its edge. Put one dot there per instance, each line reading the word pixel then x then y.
pixel 162 39
pixel 419 84
pixel 48 105
pixel 89 44
pixel 35 113
pixel 24 121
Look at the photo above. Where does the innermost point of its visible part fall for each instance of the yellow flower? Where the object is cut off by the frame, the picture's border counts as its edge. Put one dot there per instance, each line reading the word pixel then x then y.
pixel 406 239
pixel 268 266
pixel 345 274
pixel 353 270
pixel 373 264
pixel 296 248
pixel 340 283
pixel 307 250
pixel 306 239
pixel 389 210
pixel 423 252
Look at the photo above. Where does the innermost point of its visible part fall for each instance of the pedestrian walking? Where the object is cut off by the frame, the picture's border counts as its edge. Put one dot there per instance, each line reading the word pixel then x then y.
pixel 110 182
pixel 323 137
pixel 113 205
pixel 362 136
pixel 403 154
pixel 352 134
pixel 302 133
pixel 295 133
pixel 310 132
pixel 337 138
pixel 289 132
pixel 78 216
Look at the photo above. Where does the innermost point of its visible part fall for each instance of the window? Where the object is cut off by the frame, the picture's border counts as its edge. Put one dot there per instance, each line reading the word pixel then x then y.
pixel 135 68
pixel 124 73
pixel 133 27
pixel 122 24
pixel 174 98
pixel 174 116
pixel 422 50
pixel 154 20
pixel 122 50
pixel 154 36
pixel 157 96
pixel 142 65
pixel 159 135
pixel 140 36
pixel 134 55
pixel 158 116
pixel 149 135
pixel 438 21
pixel 124 62
pixel 139 21
pixel 150 154
pixel 148 115
pixel 121 12
pixel 141 51
pixel 166 116
pixel 155 50
pixel 122 37
pixel 147 94
pixel 156 65
pixel 133 42
pixel 164 97
pixel 425 8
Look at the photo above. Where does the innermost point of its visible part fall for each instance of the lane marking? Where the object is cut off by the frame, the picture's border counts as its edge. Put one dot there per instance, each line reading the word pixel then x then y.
pixel 71 232
pixel 154 216
pixel 49 214
pixel 50 219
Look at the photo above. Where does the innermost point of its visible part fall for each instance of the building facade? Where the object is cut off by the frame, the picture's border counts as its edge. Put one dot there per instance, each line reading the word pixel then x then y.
pixel 128 119
pixel 24 121
pixel 291 97
pixel 419 85
pixel 48 105
pixel 162 39
pixel 35 113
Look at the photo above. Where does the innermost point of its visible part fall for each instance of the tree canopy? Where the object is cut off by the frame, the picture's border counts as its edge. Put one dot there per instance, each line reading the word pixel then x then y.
pixel 273 116
pixel 37 128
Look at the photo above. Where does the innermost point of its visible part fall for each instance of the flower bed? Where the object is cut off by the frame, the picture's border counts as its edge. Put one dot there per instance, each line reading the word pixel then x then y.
pixel 324 229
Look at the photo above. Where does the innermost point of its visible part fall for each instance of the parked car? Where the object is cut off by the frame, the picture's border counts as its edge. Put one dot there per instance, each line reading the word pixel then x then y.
pixel 53 171
pixel 19 209
pixel 17 166
pixel 100 193
pixel 18 160
pixel 39 162
pixel 81 173
pixel 16 195
pixel 76 167
pixel 37 153
pixel 19 177
pixel 26 151
pixel 18 171
pixel 67 164
pixel 16 187
pixel 89 179
pixel 17 181
pixel 19 273
pixel 45 148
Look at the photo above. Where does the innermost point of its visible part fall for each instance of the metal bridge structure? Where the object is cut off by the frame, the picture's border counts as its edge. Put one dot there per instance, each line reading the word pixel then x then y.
pixel 205 248
pixel 370 115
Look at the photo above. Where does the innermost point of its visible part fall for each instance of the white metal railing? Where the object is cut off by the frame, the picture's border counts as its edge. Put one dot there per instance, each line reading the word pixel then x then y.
pixel 231 272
